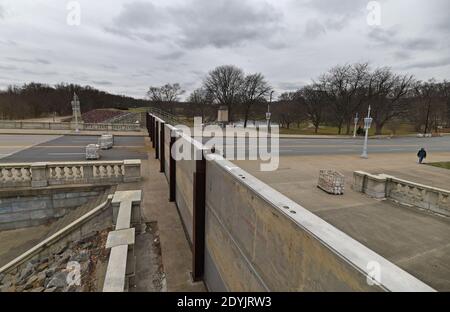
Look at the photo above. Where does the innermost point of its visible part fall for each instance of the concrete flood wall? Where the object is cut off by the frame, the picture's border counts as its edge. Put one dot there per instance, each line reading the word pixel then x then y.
pixel 256 239
pixel 25 208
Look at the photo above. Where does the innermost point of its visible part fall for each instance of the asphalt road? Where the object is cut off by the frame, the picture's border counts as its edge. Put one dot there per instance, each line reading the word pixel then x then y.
pixel 290 147
pixel 68 148
pixel 33 148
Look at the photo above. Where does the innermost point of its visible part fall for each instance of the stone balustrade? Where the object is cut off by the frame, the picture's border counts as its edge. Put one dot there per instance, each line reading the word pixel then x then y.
pixel 11 124
pixel 89 172
pixel 406 192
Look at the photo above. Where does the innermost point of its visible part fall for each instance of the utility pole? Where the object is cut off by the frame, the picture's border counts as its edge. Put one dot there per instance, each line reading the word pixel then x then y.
pixel 367 124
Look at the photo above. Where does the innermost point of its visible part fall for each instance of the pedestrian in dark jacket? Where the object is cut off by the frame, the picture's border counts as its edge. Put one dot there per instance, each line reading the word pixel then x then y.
pixel 422 154
pixel 360 131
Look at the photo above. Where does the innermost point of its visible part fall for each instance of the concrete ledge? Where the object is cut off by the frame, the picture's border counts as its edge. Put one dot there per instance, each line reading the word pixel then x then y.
pixel 116 271
pixel 120 237
pixel 122 262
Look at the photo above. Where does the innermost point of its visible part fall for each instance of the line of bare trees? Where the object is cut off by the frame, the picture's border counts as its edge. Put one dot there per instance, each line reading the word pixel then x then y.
pixel 344 91
pixel 35 100
pixel 333 99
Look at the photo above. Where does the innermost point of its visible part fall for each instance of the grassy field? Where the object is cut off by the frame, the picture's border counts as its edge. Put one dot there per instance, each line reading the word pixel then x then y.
pixel 445 165
pixel 402 129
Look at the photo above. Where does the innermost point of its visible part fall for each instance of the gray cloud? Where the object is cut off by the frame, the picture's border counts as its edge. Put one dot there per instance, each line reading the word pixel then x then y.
pixel 336 15
pixel 8 67
pixel 140 15
pixel 31 61
pixel 102 83
pixel 171 56
pixel 198 23
pixel 314 29
pixel 428 63
pixel 128 45
pixel 2 12
pixel 223 23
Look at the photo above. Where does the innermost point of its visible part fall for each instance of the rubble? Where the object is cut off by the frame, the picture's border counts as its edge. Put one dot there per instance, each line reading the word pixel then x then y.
pixel 54 273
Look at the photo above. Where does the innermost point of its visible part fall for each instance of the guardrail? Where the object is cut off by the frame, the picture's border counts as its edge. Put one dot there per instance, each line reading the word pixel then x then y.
pixel 10 124
pixel 63 173
pixel 406 192
pixel 122 261
pixel 246 236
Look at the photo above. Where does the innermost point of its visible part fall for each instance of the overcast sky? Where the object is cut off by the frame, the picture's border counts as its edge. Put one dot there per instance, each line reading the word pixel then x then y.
pixel 125 46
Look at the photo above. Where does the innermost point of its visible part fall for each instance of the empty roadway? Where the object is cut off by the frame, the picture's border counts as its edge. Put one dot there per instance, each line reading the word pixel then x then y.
pixel 67 148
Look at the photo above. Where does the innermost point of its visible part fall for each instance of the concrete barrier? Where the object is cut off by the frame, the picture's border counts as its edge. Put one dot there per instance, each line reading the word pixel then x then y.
pixel 246 236
pixel 44 174
pixel 410 193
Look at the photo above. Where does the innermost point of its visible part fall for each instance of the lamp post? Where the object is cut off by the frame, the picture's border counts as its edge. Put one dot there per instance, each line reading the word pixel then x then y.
pixel 269 114
pixel 367 124
pixel 356 123
pixel 76 110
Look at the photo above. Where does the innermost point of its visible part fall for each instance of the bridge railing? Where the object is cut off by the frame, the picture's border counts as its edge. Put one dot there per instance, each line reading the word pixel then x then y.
pixel 63 173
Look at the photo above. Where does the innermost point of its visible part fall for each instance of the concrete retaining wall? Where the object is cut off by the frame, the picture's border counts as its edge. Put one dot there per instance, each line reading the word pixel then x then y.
pixel 27 208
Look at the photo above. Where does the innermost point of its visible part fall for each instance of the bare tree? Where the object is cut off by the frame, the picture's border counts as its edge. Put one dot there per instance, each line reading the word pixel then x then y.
pixel 168 93
pixel 426 92
pixel 385 91
pixel 345 87
pixel 201 100
pixel 254 90
pixel 316 101
pixel 287 110
pixel 224 84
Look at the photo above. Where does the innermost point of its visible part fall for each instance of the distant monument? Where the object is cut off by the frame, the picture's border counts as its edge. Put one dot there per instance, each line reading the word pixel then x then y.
pixel 222 115
pixel 76 111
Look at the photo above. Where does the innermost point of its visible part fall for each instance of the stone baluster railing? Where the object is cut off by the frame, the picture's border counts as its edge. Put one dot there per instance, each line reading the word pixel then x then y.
pixel 46 174
pixel 10 124
pixel 406 192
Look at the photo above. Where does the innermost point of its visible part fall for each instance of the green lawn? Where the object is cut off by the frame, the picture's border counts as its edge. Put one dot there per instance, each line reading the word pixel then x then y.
pixel 445 165
pixel 401 129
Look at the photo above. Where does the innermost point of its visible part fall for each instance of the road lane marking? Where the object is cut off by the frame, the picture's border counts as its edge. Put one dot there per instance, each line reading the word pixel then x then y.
pixel 61 154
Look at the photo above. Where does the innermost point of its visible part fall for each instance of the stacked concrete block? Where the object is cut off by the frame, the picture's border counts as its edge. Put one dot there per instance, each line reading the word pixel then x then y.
pixel 331 182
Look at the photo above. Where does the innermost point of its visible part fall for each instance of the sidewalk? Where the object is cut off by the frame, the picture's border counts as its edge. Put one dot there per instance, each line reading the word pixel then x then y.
pixel 175 250
pixel 70 132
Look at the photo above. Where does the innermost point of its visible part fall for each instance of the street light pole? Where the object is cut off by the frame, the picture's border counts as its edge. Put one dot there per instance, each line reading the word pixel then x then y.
pixel 356 123
pixel 269 114
pixel 76 110
pixel 367 124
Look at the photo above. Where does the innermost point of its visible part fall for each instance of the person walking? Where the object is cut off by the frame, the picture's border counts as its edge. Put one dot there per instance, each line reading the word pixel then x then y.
pixel 422 154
